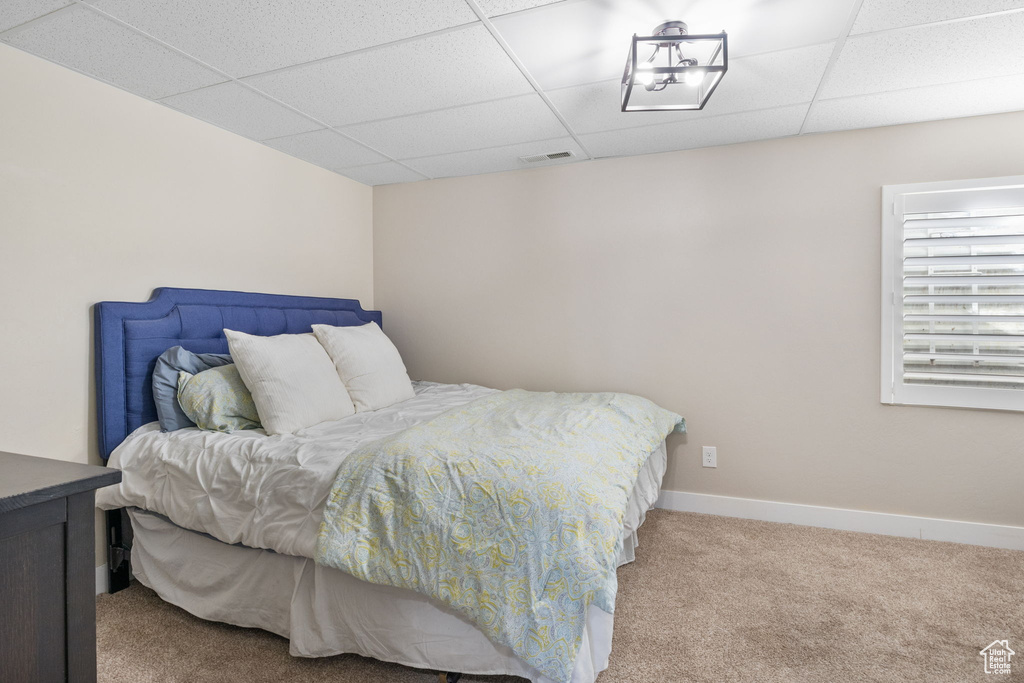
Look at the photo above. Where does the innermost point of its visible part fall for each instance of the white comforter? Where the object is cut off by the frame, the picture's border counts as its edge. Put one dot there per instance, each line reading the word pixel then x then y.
pixel 258 490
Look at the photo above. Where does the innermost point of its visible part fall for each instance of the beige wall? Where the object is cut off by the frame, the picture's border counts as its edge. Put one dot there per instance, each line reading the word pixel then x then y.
pixel 104 195
pixel 736 285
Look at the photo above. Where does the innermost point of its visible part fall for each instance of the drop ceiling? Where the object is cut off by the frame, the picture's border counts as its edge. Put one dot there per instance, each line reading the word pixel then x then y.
pixel 391 91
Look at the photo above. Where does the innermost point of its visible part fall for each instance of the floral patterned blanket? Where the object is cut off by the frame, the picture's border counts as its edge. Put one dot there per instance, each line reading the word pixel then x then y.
pixel 509 510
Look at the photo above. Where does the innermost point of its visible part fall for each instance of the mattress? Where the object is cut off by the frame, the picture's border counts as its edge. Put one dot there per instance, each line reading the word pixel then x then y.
pixel 324 612
pixel 226 526
pixel 257 490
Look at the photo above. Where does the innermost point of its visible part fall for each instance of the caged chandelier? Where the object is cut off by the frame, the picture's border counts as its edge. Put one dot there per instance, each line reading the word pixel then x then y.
pixel 681 73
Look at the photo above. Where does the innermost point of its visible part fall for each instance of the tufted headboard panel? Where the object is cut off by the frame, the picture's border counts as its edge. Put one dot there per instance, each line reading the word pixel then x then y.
pixel 130 337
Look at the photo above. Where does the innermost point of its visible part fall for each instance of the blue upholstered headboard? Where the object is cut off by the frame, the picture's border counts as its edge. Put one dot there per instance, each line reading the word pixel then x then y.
pixel 130 337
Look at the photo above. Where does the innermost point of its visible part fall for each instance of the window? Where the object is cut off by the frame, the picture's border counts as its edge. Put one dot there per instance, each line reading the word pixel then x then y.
pixel 953 294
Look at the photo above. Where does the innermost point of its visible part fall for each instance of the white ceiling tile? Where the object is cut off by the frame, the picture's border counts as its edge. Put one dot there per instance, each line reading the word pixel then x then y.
pixel 236 108
pixel 929 55
pixel 16 12
pixel 879 15
pixel 83 40
pixel 597 106
pixel 759 82
pixel 950 100
pixel 444 70
pixel 718 130
pixel 493 8
pixel 583 41
pixel 382 174
pixel 326 148
pixel 243 37
pixel 496 158
pixel 475 126
pixel 425 81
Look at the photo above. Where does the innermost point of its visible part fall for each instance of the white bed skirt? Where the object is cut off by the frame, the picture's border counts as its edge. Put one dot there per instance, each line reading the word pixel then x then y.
pixel 326 612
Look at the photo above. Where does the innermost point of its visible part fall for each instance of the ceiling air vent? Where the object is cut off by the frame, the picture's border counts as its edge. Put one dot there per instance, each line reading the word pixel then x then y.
pixel 546 157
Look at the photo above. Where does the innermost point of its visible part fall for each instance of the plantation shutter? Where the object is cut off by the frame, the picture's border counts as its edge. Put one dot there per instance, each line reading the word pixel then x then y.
pixel 958 297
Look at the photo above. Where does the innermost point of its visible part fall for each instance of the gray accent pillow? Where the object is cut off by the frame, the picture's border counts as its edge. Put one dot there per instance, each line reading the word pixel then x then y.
pixel 165 383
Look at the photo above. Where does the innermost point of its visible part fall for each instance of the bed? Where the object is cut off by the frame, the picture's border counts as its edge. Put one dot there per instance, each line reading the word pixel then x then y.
pixel 222 525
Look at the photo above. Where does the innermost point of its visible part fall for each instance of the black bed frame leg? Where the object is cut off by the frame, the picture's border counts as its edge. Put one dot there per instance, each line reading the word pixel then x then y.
pixel 448 677
pixel 119 549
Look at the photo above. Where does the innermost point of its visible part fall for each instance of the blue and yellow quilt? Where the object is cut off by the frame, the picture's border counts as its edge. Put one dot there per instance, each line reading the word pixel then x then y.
pixel 509 510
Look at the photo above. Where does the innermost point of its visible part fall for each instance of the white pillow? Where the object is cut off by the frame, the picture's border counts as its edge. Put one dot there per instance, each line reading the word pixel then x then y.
pixel 291 378
pixel 368 363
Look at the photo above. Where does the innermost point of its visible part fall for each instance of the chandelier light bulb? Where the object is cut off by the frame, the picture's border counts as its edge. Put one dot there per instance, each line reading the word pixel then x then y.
pixel 644 75
pixel 694 77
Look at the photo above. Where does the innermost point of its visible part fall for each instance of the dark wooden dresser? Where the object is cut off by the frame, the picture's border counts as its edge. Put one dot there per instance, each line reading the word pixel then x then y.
pixel 48 568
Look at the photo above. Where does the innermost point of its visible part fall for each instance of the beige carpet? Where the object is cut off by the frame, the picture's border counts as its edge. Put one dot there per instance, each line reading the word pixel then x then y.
pixel 708 599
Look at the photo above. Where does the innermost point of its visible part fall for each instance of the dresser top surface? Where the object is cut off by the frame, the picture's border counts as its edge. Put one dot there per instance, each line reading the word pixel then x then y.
pixel 27 480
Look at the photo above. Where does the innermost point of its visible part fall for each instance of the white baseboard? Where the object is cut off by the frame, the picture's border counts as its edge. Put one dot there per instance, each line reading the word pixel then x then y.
pixel 973 533
pixel 101 579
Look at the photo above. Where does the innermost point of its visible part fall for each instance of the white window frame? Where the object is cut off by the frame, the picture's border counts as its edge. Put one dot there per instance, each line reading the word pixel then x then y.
pixel 894 390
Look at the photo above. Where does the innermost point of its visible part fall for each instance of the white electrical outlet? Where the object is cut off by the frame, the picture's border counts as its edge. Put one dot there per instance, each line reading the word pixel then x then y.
pixel 709 456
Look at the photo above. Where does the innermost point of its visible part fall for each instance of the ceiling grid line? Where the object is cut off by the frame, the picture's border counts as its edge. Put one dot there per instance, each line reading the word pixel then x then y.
pixel 485 20
pixel 434 111
pixel 611 130
pixel 362 50
pixel 836 51
pixel 703 118
pixel 911 88
pixel 11 29
pixel 940 22
pixel 232 79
